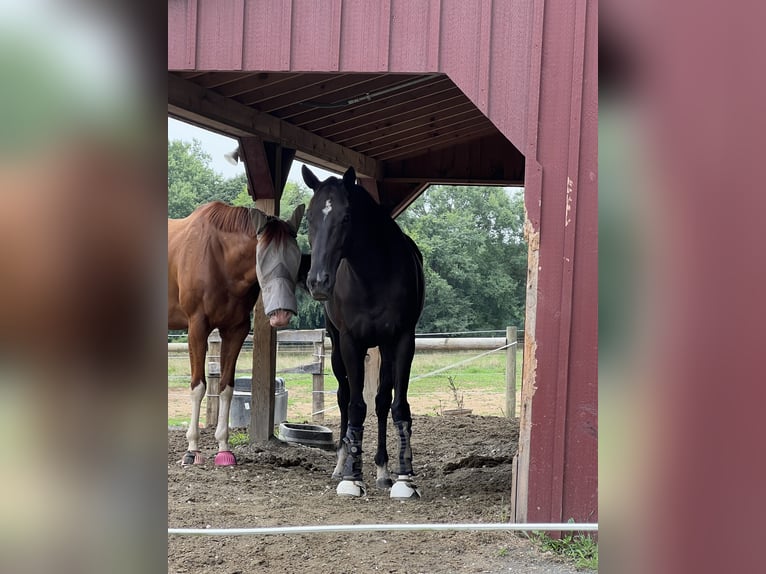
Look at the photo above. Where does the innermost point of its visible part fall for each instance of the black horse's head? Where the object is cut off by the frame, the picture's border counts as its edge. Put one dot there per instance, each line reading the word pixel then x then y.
pixel 328 217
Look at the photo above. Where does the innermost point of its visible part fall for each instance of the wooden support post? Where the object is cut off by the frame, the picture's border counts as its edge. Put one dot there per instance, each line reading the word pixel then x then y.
pixel 264 362
pixel 213 378
pixel 510 373
pixel 264 373
pixel 371 377
pixel 317 387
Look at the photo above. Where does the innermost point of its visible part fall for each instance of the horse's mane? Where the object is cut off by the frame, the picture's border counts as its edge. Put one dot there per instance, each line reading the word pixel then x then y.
pixel 228 218
pixel 276 230
pixel 371 211
pixel 235 219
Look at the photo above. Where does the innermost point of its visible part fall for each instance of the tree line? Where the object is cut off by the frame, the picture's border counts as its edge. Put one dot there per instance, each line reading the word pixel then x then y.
pixel 471 237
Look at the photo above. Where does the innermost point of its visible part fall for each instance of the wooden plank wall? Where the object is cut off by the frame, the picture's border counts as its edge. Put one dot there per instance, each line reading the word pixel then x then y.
pixel 483 45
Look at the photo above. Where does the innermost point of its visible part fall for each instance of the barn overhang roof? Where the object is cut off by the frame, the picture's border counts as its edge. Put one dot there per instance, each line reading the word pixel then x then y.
pixel 405 131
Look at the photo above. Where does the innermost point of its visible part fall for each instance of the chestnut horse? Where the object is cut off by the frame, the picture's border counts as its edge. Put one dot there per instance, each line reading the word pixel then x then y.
pixel 370 276
pixel 219 259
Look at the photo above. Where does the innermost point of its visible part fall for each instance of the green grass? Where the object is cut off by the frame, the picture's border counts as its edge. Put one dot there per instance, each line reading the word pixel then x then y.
pixel 177 421
pixel 577 547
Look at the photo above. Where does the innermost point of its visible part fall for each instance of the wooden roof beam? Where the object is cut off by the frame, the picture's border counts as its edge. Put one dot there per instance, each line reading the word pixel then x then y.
pixel 190 102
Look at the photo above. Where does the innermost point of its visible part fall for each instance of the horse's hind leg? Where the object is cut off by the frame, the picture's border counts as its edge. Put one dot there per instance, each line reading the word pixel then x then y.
pixel 231 343
pixel 400 411
pixel 198 332
pixel 382 408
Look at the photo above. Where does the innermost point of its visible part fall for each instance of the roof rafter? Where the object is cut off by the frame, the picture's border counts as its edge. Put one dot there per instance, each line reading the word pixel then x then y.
pixel 206 108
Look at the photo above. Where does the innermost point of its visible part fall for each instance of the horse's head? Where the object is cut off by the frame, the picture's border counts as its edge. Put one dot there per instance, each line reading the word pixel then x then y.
pixel 277 260
pixel 328 217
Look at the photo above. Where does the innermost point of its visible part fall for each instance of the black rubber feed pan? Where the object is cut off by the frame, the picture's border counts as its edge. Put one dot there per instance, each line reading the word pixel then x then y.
pixel 307 435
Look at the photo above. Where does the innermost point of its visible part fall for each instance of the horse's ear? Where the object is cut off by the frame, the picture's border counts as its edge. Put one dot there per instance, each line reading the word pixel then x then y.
pixel 260 219
pixel 349 178
pixel 309 178
pixel 295 218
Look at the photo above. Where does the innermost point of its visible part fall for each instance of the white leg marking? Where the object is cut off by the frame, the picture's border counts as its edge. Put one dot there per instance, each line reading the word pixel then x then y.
pixel 222 429
pixel 382 474
pixel 192 435
pixel 342 454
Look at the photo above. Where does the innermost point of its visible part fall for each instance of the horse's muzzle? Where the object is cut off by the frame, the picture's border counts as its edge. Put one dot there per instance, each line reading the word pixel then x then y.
pixel 319 286
pixel 280 318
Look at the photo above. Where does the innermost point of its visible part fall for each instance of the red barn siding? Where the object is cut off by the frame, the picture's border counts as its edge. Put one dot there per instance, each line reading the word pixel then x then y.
pixel 317 46
pixel 471 42
pixel 271 20
pixel 562 456
pixel 182 34
pixel 364 44
pixel 220 27
pixel 415 35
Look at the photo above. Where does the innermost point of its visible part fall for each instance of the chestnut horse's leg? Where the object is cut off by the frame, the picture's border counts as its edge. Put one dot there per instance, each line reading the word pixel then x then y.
pixel 383 400
pixel 231 343
pixel 198 333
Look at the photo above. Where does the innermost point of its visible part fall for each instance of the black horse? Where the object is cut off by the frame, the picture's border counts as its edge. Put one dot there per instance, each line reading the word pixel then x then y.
pixel 369 275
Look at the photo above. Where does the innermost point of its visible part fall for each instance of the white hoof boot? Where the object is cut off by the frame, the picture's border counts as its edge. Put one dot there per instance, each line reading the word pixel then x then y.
pixel 351 488
pixel 403 489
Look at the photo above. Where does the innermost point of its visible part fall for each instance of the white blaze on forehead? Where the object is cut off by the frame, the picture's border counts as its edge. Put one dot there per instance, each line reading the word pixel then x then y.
pixel 327 208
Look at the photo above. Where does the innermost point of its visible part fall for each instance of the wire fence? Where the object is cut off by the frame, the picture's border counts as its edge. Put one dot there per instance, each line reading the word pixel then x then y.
pixel 442 377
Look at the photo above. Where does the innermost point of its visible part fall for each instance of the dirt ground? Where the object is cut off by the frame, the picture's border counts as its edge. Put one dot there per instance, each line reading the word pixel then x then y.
pixel 464 473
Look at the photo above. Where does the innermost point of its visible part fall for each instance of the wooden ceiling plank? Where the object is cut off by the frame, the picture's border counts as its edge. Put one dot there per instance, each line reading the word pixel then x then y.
pixel 327 90
pixel 301 113
pixel 377 109
pixel 374 139
pixel 319 118
pixel 257 81
pixel 390 121
pixel 208 108
pixel 434 143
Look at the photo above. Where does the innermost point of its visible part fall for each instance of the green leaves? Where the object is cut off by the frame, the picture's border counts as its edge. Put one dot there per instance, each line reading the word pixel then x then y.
pixel 475 258
pixel 471 237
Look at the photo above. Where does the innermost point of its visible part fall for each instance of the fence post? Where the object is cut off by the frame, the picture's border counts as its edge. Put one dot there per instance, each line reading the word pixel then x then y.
pixel 510 372
pixel 213 378
pixel 371 377
pixel 317 386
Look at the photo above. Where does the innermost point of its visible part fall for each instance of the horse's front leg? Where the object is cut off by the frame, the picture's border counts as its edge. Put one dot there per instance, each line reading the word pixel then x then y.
pixel 351 443
pixel 231 343
pixel 198 332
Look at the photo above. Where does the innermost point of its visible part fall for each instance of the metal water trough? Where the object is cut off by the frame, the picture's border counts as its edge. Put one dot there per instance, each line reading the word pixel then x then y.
pixel 239 416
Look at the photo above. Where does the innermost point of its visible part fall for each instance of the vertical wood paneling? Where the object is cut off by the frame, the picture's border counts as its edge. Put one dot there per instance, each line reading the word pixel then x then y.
pixel 268 36
pixel 316 36
pixel 433 33
pixel 581 485
pixel 484 56
pixel 220 33
pixel 460 45
pixel 509 77
pixel 562 465
pixel 365 35
pixel 409 46
pixel 182 34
